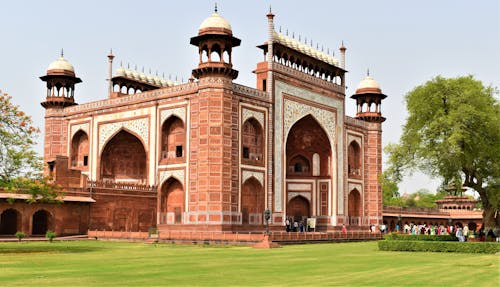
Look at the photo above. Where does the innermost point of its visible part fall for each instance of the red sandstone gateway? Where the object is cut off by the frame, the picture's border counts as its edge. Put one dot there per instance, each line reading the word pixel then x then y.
pixel 210 155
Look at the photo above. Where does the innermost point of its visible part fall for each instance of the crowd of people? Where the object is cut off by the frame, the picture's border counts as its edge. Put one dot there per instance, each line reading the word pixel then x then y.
pixel 462 233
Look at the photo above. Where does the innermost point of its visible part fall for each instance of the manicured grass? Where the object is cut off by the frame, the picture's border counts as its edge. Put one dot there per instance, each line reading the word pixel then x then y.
pixel 97 263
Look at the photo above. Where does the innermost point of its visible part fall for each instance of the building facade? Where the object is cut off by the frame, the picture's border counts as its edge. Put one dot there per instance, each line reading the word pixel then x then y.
pixel 210 154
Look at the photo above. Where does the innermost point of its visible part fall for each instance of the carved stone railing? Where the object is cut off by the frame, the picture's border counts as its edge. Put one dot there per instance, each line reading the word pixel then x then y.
pixel 121 186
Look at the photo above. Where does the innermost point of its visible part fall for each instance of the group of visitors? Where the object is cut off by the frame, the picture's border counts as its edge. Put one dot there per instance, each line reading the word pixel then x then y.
pixel 294 225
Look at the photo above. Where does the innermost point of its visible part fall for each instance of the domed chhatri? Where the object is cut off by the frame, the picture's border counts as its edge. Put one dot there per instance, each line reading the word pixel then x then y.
pixel 369 98
pixel 368 85
pixel 61 66
pixel 215 24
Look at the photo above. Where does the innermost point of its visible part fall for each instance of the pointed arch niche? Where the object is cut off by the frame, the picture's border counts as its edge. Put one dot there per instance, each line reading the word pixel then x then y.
pixel 80 150
pixel 173 140
pixel 171 202
pixel 252 201
pixel 123 159
pixel 252 143
pixel 354 207
pixel 354 160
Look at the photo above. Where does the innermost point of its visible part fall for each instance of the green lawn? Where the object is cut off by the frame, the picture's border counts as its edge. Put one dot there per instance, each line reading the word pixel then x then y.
pixel 97 263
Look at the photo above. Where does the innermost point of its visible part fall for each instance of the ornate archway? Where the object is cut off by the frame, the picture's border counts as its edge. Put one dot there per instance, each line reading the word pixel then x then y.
pixel 124 159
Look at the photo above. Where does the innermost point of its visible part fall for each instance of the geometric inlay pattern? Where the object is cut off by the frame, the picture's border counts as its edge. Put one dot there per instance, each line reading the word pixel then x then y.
pixel 138 126
pixel 304 194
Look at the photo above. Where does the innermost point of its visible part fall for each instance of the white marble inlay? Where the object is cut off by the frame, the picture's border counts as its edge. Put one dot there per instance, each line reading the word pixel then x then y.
pixel 259 116
pixel 307 195
pixel 259 176
pixel 179 112
pixel 75 128
pixel 166 174
pixel 299 186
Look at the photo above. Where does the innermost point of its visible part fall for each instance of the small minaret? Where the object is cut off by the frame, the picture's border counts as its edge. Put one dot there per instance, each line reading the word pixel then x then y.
pixel 61 80
pixel 110 72
pixel 369 98
pixel 215 35
pixel 342 55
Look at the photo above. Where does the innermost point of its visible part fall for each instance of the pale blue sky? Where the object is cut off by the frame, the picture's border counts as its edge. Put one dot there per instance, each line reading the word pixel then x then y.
pixel 403 43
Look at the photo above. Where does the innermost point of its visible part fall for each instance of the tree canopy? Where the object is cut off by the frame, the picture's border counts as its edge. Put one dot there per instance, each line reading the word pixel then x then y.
pixel 453 132
pixel 20 165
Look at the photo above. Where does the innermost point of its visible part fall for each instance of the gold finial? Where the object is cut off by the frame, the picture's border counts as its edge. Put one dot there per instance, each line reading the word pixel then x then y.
pixel 62 53
pixel 368 72
pixel 215 7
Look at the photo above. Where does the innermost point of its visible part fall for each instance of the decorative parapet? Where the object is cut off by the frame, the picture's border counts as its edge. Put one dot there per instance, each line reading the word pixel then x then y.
pixel 308 78
pixel 136 98
pixel 247 91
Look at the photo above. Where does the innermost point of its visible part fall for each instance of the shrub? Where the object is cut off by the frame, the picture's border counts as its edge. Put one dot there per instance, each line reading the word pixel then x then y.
pixel 420 237
pixel 439 246
pixel 20 235
pixel 50 235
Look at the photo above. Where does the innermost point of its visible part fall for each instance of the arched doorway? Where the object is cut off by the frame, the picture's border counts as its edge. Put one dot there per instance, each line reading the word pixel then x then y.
pixel 124 159
pixel 252 202
pixel 354 207
pixel 172 202
pixel 298 208
pixel 10 222
pixel 41 222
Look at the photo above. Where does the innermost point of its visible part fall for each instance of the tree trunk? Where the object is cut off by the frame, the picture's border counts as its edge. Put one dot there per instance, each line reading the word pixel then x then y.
pixel 491 219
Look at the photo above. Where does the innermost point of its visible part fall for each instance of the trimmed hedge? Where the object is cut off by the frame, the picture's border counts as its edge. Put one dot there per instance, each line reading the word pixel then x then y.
pixel 439 246
pixel 420 237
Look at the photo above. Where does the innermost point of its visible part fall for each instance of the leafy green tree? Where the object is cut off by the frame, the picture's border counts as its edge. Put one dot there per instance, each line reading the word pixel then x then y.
pixel 453 132
pixel 20 165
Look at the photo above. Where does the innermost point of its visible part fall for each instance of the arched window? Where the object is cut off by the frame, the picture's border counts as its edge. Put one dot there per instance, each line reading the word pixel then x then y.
pixel 215 53
pixel 41 222
pixel 354 160
pixel 299 165
pixel 252 145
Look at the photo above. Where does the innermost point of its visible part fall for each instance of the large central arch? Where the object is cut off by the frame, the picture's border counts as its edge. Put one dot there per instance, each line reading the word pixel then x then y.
pixel 124 159
pixel 308 166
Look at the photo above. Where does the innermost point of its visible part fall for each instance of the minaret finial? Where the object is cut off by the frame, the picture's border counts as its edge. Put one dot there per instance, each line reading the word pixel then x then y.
pixel 368 72
pixel 215 7
pixel 270 11
pixel 62 53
